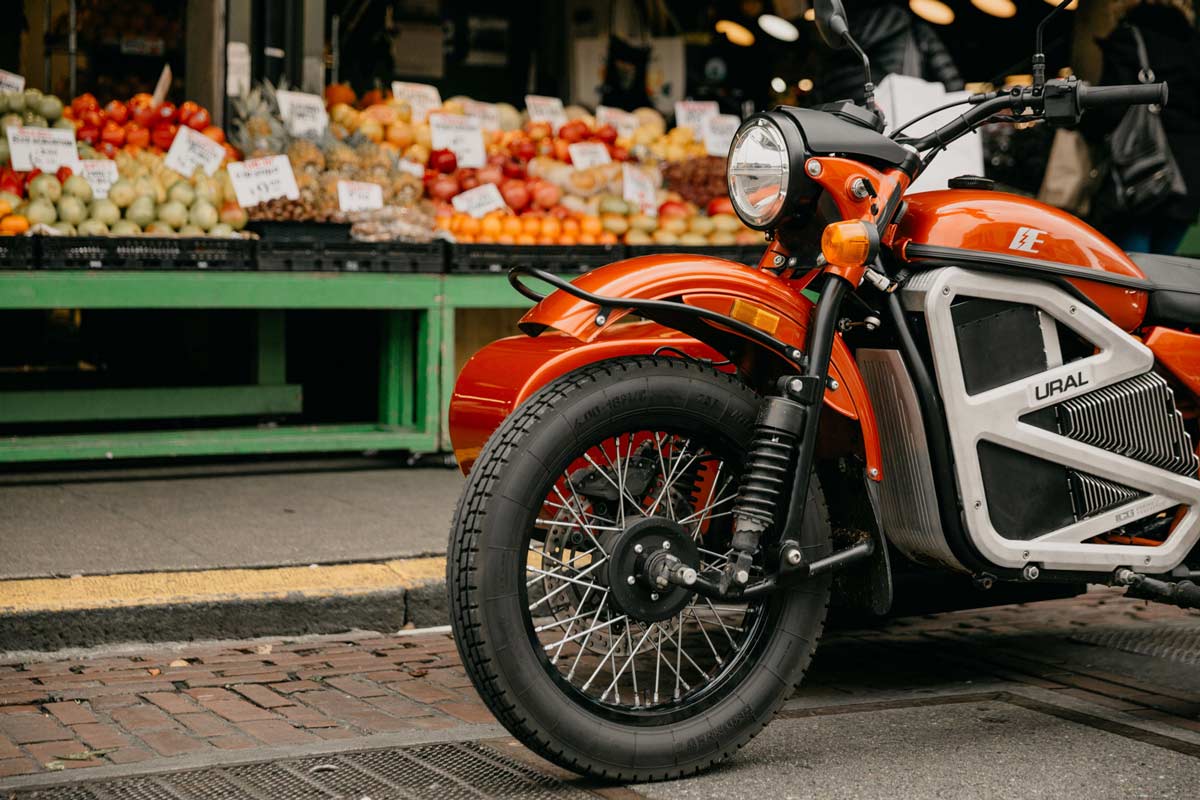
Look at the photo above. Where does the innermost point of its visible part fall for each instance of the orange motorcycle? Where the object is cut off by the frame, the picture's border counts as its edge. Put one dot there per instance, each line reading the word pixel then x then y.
pixel 672 472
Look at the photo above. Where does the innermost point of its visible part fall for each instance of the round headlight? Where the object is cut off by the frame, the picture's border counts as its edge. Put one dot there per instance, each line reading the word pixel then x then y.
pixel 757 172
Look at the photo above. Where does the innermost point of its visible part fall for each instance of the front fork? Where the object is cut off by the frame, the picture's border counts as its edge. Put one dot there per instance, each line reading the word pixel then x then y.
pixel 787 424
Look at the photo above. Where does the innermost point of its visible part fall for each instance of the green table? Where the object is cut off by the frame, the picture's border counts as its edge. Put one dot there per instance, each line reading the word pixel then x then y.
pixel 409 395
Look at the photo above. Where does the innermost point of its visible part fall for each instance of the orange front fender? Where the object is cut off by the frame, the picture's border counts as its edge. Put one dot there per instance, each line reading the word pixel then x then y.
pixel 757 297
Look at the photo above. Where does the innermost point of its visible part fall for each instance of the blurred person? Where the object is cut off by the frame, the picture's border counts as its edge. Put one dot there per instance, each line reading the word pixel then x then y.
pixel 897 42
pixel 1173 50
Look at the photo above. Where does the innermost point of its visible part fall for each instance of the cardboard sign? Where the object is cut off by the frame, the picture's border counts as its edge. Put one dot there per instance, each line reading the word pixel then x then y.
pixel 693 113
pixel 479 201
pixel 488 114
pixel 46 149
pixel 359 196
pixel 546 109
pixel 421 98
pixel 11 81
pixel 588 154
pixel 100 173
pixel 718 133
pixel 411 167
pixel 237 69
pixel 303 113
pixel 461 135
pixel 639 189
pixel 191 149
pixel 262 179
pixel 625 122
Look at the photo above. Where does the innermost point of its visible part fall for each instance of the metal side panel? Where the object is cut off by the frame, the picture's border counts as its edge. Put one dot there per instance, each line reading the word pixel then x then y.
pixel 908 497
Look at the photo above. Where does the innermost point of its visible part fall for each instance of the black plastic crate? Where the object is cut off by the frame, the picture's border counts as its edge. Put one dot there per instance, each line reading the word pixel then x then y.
pixel 192 253
pixel 748 254
pixel 18 252
pixel 499 258
pixel 317 256
pixel 297 231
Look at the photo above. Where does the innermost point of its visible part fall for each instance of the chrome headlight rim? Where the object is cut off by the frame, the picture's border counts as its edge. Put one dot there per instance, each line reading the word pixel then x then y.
pixel 796 155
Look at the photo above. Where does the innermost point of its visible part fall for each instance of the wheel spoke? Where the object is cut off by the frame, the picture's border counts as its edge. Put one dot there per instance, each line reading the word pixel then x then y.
pixel 566 585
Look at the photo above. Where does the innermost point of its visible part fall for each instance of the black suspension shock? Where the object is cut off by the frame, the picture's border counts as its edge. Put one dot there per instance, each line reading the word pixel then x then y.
pixel 775 478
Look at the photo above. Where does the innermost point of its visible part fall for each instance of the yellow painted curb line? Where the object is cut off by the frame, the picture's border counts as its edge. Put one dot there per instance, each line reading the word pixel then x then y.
pixel 216 585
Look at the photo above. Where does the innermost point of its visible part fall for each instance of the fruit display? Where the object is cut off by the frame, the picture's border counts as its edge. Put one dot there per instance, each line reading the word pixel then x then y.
pixel 137 124
pixel 413 223
pixel 29 108
pixel 699 180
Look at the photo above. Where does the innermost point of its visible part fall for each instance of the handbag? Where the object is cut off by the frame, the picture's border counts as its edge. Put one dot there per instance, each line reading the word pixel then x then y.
pixel 1143 168
pixel 1070 178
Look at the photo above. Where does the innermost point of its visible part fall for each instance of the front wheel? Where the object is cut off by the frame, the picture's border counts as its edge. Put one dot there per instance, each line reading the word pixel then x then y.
pixel 581 660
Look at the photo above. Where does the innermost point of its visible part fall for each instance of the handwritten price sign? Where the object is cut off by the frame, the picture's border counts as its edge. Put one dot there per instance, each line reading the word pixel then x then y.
pixel 693 113
pixel 359 196
pixel 461 135
pixel 639 189
pixel 625 123
pixel 588 154
pixel 303 113
pixel 46 149
pixel 421 98
pixel 100 173
pixel 11 81
pixel 480 200
pixel 191 149
pixel 718 133
pixel 262 179
pixel 488 114
pixel 546 109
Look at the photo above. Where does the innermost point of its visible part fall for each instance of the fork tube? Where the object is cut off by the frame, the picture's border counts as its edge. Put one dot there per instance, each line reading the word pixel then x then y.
pixel 818 352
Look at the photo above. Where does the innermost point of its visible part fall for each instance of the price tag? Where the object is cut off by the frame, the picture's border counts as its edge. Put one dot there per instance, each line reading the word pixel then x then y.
pixel 460 135
pixel 639 189
pixel 479 201
pixel 46 149
pixel 237 69
pixel 191 149
pixel 359 196
pixel 693 113
pixel 100 173
pixel 588 154
pixel 421 98
pixel 718 133
pixel 546 109
pixel 411 167
pixel 625 123
pixel 11 81
pixel 303 113
pixel 488 114
pixel 262 179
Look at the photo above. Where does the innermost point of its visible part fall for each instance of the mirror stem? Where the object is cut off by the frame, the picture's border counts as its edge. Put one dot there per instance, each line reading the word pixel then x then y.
pixel 1039 55
pixel 868 87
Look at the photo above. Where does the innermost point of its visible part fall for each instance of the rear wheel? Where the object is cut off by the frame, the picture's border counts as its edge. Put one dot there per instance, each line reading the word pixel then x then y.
pixel 571 648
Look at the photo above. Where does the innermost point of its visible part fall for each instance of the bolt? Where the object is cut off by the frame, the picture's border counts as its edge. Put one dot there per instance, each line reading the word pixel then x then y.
pixel 979 504
pixel 1146 560
pixel 794 557
pixel 688 575
pixel 1025 554
pixel 795 355
pixel 813 167
pixel 654 596
pixel 1031 572
pixel 660 582
pixel 637 548
pixel 779 261
pixel 741 576
pixel 795 385
pixel 601 319
pixel 873 472
pixel 946 290
pixel 833 384
pixel 631 580
pixel 1073 309
pixel 666 545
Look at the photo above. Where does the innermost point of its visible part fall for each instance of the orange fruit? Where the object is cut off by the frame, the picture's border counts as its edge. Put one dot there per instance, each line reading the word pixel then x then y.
pixel 464 238
pixel 531 226
pixel 551 228
pixel 470 226
pixel 546 240
pixel 506 238
pixel 591 224
pixel 491 226
pixel 443 223
pixel 14 223
pixel 511 226
pixel 587 238
pixel 565 239
pixel 5 208
pixel 570 227
pixel 607 237
pixel 525 238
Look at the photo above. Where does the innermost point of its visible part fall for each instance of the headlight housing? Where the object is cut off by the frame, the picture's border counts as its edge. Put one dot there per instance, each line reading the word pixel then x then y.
pixel 764 169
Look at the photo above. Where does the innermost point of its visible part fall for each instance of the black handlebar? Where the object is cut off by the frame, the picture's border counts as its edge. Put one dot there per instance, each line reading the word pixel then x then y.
pixel 1135 94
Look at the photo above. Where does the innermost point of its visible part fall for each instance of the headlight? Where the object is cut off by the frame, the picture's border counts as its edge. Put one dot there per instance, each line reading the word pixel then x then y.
pixel 757 172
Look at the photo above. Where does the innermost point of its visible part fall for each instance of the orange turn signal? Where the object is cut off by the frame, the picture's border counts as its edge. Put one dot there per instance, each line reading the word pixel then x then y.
pixel 850 243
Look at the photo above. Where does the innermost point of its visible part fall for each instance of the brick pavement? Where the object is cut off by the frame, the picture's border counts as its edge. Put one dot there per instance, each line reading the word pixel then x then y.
pixel 73 713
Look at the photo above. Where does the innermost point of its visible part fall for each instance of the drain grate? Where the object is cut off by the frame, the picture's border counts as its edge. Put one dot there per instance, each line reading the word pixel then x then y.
pixel 441 771
pixel 1180 644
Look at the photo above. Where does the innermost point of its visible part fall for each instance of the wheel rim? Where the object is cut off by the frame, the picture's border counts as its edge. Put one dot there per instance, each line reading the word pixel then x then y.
pixel 601 656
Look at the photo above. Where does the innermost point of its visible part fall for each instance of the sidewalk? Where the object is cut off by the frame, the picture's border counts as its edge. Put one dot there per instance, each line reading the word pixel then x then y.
pixel 126 710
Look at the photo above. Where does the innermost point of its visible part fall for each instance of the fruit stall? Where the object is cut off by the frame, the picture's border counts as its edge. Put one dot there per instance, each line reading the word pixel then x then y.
pixel 402 206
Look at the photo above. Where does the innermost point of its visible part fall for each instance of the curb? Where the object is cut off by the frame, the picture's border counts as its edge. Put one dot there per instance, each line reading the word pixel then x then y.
pixel 55 613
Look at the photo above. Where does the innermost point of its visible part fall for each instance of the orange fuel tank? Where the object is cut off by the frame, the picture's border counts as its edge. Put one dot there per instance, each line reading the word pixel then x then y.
pixel 1025 233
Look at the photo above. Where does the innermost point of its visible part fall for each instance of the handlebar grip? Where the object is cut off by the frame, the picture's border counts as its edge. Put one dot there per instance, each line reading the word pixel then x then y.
pixel 1129 95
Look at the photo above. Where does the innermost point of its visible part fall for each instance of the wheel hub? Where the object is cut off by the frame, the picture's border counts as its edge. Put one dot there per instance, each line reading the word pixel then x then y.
pixel 632 587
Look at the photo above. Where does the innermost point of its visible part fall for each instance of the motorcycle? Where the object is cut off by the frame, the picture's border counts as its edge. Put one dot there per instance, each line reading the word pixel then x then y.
pixel 957 382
